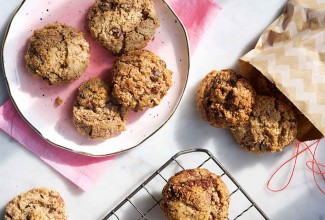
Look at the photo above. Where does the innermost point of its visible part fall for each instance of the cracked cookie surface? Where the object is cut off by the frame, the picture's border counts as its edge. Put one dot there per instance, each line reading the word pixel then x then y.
pixel 95 114
pixel 140 80
pixel 57 53
pixel 36 204
pixel 195 194
pixel 225 99
pixel 271 126
pixel 123 25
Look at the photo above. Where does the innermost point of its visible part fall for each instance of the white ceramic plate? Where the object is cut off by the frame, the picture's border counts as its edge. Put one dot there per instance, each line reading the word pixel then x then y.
pixel 35 100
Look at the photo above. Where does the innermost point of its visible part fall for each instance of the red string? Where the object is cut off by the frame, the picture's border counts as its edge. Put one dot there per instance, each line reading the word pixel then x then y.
pixel 314 161
pixel 313 165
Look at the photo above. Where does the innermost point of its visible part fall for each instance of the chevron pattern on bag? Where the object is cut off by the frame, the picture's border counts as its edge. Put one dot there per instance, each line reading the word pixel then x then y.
pixel 291 54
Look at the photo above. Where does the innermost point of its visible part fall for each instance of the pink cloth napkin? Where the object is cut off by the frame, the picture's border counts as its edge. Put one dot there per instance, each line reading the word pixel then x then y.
pixel 196 15
pixel 82 170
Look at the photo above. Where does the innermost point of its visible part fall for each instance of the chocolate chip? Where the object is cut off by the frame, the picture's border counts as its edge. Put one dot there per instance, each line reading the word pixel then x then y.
pixel 113 5
pixel 163 63
pixel 155 89
pixel 63 65
pixel 105 6
pixel 155 76
pixel 157 73
pixel 72 34
pixel 33 51
pixel 145 14
pixel 116 32
pixel 233 82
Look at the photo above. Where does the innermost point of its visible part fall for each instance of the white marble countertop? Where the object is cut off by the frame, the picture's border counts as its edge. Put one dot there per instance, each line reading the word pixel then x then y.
pixel 232 34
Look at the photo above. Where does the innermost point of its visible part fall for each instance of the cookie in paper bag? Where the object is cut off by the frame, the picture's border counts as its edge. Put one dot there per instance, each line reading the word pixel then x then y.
pixel 306 129
pixel 289 53
pixel 271 126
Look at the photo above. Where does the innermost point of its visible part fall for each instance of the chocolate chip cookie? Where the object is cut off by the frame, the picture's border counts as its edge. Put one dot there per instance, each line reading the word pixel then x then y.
pixel 225 99
pixel 271 126
pixel 95 113
pixel 57 53
pixel 36 204
pixel 264 87
pixel 123 25
pixel 140 80
pixel 195 194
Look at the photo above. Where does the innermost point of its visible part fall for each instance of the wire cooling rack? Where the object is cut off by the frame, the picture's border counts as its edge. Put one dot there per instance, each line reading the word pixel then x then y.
pixel 143 202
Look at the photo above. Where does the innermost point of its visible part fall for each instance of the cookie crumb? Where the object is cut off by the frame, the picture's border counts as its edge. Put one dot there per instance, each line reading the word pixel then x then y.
pixel 58 101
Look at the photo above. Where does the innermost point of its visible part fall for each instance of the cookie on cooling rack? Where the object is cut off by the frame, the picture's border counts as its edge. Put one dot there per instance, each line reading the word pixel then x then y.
pixel 225 99
pixel 123 25
pixel 195 194
pixel 271 126
pixel 38 203
pixel 95 113
pixel 57 53
pixel 140 80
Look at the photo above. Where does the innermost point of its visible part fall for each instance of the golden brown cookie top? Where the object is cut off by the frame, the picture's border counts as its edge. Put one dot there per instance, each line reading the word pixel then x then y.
pixel 140 80
pixel 57 53
pixel 123 25
pixel 195 194
pixel 264 87
pixel 225 99
pixel 36 204
pixel 95 114
pixel 93 94
pixel 271 126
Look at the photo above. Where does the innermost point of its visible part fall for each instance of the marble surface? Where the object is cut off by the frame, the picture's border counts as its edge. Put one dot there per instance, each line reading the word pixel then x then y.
pixel 233 33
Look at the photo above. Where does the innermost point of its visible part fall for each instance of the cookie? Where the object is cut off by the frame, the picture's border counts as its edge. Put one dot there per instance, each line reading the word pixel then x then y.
pixel 95 113
pixel 225 99
pixel 123 25
pixel 36 204
pixel 264 87
pixel 57 53
pixel 195 194
pixel 271 126
pixel 140 80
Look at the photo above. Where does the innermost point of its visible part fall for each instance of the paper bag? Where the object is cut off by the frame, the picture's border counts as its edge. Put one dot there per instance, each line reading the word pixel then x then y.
pixel 291 54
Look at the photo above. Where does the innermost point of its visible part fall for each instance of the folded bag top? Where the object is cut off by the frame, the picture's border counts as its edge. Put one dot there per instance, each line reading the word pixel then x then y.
pixel 290 54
